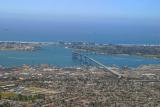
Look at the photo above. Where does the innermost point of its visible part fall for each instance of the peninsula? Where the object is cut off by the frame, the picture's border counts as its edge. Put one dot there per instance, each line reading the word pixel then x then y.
pixel 130 49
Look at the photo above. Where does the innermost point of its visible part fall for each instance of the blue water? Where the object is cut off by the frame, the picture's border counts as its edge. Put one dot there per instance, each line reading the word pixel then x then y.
pixel 125 60
pixel 60 56
pixel 54 55
pixel 101 31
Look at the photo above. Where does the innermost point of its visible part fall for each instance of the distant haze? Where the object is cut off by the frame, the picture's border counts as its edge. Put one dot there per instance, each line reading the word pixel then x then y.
pixel 105 21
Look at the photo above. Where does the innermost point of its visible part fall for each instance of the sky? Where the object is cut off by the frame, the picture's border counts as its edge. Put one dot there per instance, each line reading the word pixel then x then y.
pixel 51 9
pixel 101 20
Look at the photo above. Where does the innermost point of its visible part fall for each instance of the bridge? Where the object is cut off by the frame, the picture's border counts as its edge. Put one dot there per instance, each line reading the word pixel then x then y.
pixel 90 61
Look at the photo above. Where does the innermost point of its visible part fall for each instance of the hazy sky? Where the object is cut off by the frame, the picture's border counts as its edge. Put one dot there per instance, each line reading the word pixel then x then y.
pixel 148 9
pixel 143 14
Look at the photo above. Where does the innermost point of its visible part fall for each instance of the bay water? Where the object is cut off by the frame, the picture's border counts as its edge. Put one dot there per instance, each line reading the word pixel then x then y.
pixel 61 56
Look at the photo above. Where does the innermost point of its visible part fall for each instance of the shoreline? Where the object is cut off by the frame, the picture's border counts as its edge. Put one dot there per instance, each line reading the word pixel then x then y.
pixel 84 48
pixel 74 67
pixel 57 42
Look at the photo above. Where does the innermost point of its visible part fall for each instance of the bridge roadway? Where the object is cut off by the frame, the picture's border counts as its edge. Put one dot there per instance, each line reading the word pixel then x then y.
pixel 100 64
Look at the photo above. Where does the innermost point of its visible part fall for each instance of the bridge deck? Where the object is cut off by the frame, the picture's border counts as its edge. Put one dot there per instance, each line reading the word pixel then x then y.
pixel 100 64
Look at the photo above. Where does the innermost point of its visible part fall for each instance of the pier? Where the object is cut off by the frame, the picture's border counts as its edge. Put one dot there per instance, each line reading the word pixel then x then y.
pixel 90 61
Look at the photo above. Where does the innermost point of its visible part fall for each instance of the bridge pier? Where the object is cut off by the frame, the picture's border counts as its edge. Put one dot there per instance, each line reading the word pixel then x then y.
pixel 83 59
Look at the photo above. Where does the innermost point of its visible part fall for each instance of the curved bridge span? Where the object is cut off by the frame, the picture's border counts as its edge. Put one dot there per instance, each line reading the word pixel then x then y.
pixel 87 60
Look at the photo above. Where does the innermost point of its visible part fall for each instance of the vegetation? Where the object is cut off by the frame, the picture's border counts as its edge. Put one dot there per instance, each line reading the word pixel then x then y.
pixel 152 56
pixel 19 97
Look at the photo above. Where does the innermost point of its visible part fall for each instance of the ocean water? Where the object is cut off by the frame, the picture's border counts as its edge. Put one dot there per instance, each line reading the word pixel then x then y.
pixel 101 31
pixel 60 56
